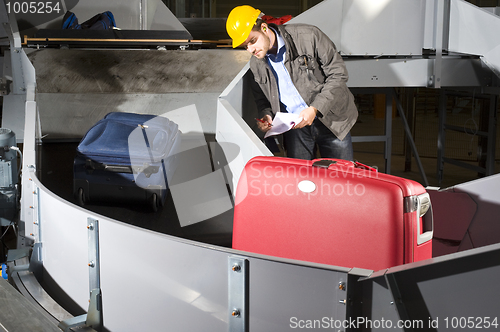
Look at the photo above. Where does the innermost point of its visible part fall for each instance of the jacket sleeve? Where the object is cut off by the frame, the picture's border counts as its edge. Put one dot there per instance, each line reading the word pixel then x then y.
pixel 334 96
pixel 263 104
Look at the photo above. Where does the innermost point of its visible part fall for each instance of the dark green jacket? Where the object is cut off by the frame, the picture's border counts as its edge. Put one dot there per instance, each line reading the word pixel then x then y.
pixel 317 71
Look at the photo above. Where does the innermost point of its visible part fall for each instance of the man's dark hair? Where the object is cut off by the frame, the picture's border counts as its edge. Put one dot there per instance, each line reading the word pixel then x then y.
pixel 258 24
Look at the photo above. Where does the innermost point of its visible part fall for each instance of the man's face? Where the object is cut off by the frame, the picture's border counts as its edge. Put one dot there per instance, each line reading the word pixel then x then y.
pixel 258 43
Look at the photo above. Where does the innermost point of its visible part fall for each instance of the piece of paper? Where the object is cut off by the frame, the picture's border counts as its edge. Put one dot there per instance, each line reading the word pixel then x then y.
pixel 283 122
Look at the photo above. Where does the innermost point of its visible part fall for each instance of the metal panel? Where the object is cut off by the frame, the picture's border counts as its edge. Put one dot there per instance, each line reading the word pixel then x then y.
pixel 365 21
pixel 448 293
pixel 280 295
pixel 161 18
pixel 484 229
pixel 474 31
pixel 238 141
pixel 165 285
pixel 436 293
pixel 387 72
pixel 28 215
pixel 65 246
pixel 410 72
pixel 327 15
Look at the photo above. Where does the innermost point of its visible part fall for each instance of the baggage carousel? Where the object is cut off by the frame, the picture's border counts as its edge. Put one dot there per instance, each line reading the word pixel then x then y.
pixel 123 268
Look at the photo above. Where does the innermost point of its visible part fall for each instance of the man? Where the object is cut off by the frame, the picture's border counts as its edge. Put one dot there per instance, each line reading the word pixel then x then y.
pixel 298 70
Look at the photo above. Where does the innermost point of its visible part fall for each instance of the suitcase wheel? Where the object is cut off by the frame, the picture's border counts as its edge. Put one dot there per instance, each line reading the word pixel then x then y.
pixel 80 197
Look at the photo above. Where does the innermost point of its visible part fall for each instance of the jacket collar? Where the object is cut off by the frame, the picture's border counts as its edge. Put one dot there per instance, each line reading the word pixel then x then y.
pixel 289 44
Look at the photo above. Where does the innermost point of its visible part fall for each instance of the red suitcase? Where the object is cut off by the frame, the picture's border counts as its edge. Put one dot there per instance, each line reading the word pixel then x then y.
pixel 331 211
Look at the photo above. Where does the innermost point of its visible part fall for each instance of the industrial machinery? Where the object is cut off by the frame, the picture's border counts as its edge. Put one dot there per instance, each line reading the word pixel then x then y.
pixel 8 175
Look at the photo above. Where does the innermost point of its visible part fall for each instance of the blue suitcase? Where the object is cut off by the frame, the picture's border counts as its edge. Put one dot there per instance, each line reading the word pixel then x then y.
pixel 126 157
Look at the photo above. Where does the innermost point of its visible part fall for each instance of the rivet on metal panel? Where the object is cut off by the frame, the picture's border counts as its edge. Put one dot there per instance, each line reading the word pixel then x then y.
pixel 90 227
pixel 342 285
pixel 92 264
pixel 236 268
pixel 235 313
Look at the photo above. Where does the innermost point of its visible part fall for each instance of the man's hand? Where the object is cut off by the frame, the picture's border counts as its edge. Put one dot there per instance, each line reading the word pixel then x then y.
pixel 307 115
pixel 266 124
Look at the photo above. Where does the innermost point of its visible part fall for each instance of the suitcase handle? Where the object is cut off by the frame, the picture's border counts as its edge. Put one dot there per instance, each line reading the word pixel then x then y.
pixel 325 163
pixel 422 207
pixel 427 227
pixel 92 166
pixel 421 204
pixel 357 164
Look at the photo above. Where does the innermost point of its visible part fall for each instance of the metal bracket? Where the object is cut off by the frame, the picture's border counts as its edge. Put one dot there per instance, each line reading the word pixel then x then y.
pixel 238 294
pixel 94 316
pixel 68 324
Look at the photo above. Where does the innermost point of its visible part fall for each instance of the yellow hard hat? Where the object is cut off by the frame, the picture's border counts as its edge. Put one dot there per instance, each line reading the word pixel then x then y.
pixel 240 22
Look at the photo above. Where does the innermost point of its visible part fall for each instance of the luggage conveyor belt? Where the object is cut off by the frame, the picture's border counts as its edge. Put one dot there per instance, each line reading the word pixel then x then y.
pixel 195 161
pixel 18 314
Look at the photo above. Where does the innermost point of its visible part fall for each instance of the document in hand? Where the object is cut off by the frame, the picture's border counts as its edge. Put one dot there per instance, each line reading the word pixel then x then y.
pixel 283 122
